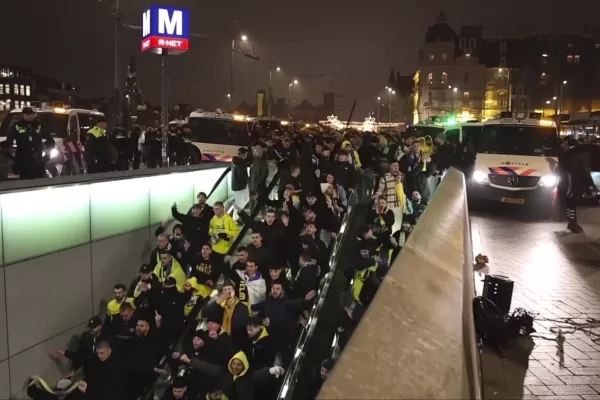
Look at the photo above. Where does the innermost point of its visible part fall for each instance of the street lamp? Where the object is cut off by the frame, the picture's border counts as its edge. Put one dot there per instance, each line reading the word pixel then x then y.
pixel 454 91
pixel 229 100
pixel 391 92
pixel 378 109
pixel 243 38
pixel 287 106
pixel 270 94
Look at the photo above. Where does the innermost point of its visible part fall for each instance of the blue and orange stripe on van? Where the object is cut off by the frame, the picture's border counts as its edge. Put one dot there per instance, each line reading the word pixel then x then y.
pixel 512 171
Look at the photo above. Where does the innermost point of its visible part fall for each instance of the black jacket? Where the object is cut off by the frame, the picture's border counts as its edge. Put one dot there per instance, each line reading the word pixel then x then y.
pixel 86 350
pixel 239 174
pixel 283 318
pixel 240 388
pixel 346 175
pixel 108 380
pixel 271 233
pixel 444 156
pixel 194 228
pixel 123 332
pixel 261 351
pixel 382 223
pixel 263 256
pixel 205 269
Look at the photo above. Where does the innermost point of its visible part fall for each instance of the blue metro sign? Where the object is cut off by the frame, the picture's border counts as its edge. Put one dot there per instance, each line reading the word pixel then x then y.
pixel 165 27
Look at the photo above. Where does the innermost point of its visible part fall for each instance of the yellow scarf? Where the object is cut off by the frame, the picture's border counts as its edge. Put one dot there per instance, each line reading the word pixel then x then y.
pixel 229 307
pixel 401 196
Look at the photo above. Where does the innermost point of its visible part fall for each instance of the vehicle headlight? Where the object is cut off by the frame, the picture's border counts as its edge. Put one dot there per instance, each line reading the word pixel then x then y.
pixel 549 180
pixel 54 153
pixel 480 177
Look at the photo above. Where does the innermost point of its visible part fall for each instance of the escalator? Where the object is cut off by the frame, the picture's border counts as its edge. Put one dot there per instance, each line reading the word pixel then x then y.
pixel 318 338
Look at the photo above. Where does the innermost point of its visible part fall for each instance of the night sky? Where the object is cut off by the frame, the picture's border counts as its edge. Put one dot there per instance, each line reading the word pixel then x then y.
pixel 353 44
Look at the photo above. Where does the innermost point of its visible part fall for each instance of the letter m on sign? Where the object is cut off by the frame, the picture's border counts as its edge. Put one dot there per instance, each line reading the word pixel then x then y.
pixel 146 23
pixel 170 24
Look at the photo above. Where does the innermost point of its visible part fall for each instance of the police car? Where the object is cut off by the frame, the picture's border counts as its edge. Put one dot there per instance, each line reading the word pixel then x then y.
pixel 516 163
pixel 61 123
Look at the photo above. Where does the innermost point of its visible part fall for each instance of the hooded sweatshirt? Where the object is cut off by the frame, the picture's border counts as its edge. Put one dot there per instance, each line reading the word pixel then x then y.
pixel 236 387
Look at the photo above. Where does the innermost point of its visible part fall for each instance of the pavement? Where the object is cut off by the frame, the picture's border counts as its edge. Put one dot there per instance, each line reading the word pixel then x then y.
pixel 556 274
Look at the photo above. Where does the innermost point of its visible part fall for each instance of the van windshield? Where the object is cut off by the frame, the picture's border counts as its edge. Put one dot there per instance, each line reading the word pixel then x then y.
pixel 519 140
pixel 219 131
pixel 55 124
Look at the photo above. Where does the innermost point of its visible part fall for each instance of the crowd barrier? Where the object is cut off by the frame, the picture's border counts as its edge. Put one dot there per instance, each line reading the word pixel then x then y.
pixel 63 246
pixel 417 339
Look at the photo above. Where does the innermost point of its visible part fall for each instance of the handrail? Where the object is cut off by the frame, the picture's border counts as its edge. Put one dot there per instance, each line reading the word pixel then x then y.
pixel 148 393
pixel 218 182
pixel 294 369
pixel 431 285
pixel 326 314
pixel 30 184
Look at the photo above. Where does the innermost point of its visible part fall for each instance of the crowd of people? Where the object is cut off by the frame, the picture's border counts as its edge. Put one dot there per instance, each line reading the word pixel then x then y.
pixel 227 314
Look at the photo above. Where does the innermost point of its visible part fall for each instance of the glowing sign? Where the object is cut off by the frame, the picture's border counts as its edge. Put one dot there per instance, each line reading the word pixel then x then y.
pixel 165 28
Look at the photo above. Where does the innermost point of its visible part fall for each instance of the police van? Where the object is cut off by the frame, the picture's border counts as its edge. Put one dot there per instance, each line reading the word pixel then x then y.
pixel 217 136
pixel 516 163
pixel 62 124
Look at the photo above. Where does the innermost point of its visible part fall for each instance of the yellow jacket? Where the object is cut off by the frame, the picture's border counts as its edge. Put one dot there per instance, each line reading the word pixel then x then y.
pixel 176 272
pixel 114 307
pixel 226 225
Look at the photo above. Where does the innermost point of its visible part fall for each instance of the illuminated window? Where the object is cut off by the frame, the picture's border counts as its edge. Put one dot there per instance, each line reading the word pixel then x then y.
pixel 576 59
pixel 444 56
pixel 1 105
pixel 466 77
pixel 466 94
pixel 543 79
pixel 444 78
pixel 468 55
pixel 430 77
pixel 7 89
pixel 1 89
pixel 502 99
pixel 28 103
pixel 502 47
pixel 472 43
pixel 598 45
pixel 27 90
pixel 570 59
pixel 22 90
pixel 431 57
pixel 16 89
pixel 7 104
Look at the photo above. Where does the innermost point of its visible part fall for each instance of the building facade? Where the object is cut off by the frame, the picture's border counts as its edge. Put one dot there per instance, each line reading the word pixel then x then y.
pixel 17 88
pixel 452 81
pixel 466 76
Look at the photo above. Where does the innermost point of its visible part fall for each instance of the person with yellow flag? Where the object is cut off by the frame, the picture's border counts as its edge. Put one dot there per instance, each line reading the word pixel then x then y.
pixel 391 188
